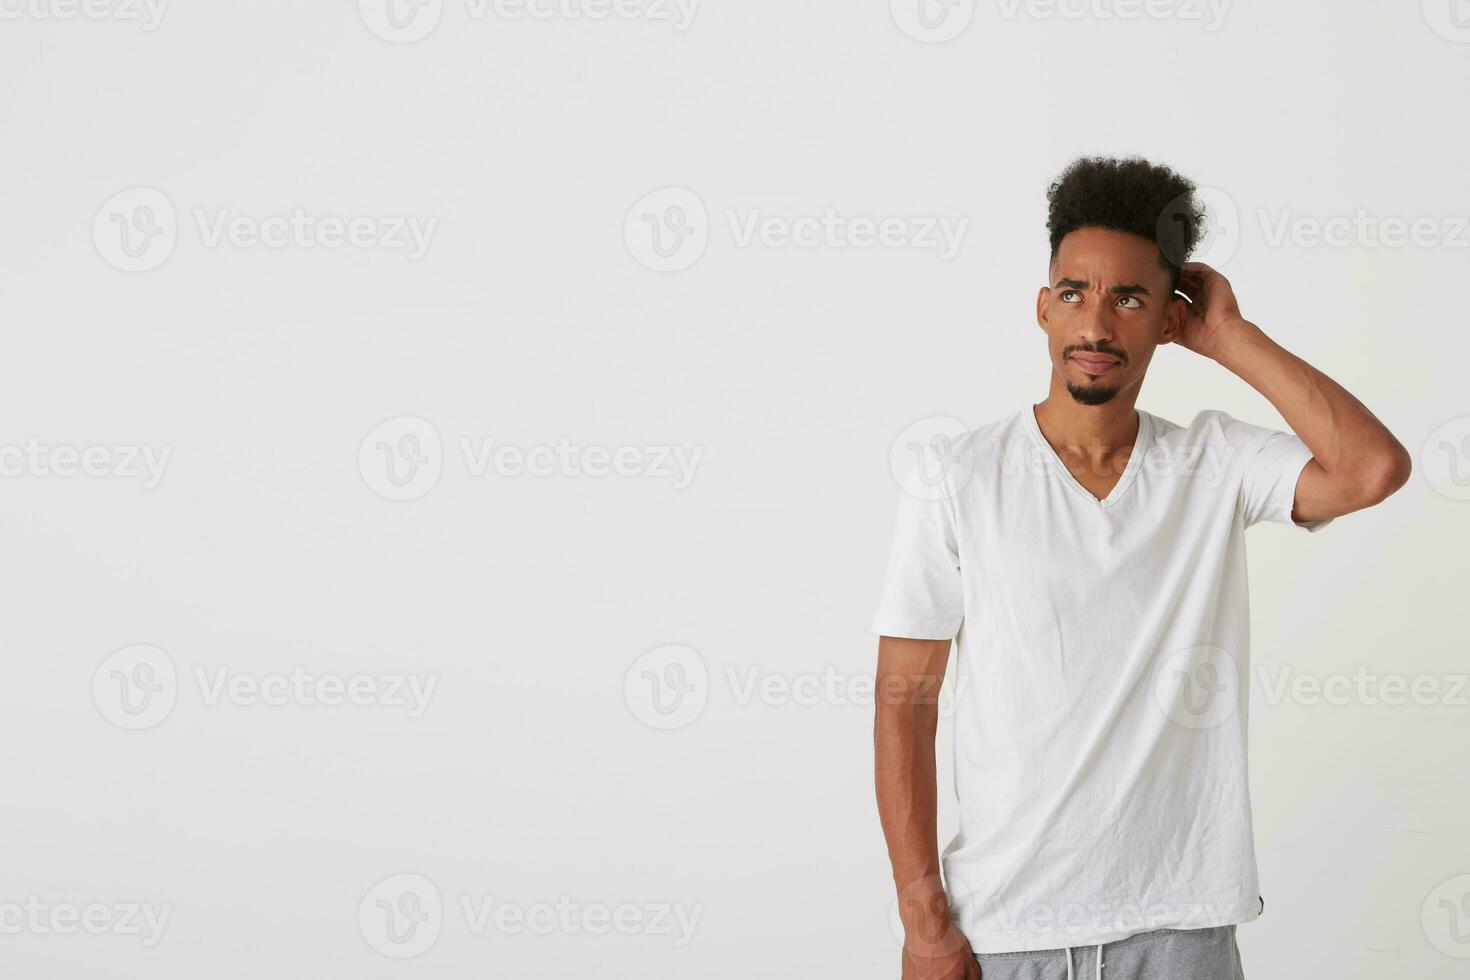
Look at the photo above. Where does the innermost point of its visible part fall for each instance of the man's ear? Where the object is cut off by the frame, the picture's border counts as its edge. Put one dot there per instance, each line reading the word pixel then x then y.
pixel 1174 318
pixel 1043 308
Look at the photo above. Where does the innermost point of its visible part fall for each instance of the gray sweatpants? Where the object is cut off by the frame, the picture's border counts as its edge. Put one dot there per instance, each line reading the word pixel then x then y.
pixel 1163 954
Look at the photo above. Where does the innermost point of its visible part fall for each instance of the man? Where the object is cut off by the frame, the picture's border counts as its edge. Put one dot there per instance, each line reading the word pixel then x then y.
pixel 1087 559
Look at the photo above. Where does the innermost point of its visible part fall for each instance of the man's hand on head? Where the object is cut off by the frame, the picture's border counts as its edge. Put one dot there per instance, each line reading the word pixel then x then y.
pixel 1214 315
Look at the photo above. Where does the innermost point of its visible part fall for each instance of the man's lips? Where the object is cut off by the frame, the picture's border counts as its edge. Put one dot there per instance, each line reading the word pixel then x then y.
pixel 1095 363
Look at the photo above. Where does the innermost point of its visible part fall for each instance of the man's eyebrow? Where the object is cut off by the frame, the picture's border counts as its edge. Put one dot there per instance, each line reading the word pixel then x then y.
pixel 1120 290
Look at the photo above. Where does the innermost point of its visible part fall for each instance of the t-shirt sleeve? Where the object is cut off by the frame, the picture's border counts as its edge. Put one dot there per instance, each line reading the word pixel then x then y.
pixel 1269 462
pixel 922 595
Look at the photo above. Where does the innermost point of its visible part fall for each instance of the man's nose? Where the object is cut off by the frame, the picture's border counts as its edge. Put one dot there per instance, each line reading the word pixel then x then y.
pixel 1097 322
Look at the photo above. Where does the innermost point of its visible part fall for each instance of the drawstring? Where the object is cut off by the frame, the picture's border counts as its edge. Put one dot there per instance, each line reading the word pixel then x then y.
pixel 1068 951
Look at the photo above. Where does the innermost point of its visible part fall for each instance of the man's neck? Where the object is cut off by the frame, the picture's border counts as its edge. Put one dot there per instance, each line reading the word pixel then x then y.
pixel 1089 435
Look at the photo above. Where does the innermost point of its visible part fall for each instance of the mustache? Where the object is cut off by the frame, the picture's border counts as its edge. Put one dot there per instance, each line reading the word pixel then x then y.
pixel 1107 349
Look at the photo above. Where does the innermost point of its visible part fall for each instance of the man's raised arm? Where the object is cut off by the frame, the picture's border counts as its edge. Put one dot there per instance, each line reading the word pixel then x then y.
pixel 1356 462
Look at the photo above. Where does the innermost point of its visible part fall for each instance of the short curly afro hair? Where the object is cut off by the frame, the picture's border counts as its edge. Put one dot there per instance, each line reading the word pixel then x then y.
pixel 1130 195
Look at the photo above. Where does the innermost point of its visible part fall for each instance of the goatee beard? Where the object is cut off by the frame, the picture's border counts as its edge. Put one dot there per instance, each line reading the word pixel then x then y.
pixel 1091 396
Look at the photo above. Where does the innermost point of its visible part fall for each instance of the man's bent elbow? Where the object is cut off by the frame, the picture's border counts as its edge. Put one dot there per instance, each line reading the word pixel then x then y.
pixel 1387 476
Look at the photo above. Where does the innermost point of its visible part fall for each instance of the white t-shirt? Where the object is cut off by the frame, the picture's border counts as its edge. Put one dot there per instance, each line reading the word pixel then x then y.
pixel 1102 658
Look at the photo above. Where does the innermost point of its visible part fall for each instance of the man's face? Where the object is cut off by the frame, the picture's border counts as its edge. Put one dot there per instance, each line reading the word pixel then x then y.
pixel 1108 305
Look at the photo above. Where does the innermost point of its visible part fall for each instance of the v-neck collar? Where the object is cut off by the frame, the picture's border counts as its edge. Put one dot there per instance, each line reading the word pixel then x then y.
pixel 1130 470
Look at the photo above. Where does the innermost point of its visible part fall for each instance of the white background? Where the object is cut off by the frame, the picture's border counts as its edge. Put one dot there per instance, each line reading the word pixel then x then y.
pixel 531 778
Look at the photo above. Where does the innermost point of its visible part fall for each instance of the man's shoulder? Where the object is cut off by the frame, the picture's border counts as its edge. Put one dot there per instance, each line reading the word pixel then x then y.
pixel 1213 427
pixel 993 441
pixel 1213 435
pixel 948 459
pixel 1208 425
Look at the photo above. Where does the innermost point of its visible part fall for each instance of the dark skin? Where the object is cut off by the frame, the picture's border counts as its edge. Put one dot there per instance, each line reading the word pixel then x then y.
pixel 1109 306
pixel 1109 303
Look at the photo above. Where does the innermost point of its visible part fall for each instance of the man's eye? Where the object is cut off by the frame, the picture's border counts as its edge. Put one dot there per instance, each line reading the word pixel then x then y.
pixel 1134 300
pixel 1066 293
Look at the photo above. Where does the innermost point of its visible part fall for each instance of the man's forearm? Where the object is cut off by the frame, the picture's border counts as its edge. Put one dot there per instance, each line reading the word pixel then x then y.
pixel 908 805
pixel 903 750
